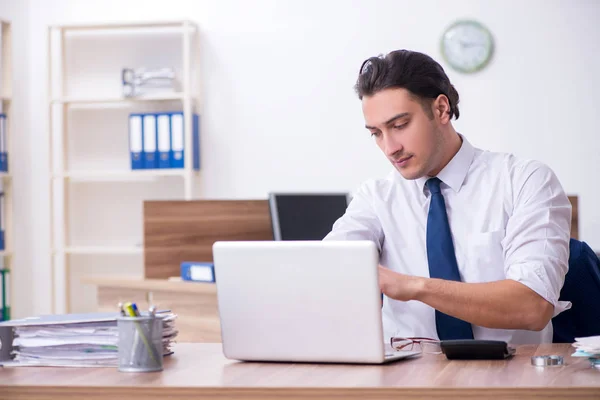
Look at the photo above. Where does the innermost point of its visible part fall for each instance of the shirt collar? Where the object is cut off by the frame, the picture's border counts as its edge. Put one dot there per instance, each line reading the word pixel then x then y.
pixel 455 172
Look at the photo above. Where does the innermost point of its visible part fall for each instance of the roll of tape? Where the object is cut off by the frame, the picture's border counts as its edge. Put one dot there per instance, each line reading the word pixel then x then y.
pixel 545 361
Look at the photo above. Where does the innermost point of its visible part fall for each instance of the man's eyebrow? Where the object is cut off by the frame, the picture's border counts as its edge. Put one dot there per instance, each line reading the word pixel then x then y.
pixel 389 121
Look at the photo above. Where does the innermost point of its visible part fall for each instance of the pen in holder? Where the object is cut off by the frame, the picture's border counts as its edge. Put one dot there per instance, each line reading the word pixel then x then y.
pixel 140 343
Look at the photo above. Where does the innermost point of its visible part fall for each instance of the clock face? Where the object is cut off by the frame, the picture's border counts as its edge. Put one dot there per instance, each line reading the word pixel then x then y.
pixel 467 46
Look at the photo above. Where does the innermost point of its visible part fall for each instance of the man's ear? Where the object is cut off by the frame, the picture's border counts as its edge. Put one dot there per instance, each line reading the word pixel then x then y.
pixel 441 109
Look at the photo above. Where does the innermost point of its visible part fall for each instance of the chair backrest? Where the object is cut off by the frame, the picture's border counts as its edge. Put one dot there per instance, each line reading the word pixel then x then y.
pixel 582 289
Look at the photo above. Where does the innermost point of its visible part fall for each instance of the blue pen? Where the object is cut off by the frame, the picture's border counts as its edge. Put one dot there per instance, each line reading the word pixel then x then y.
pixel 135 309
pixel 136 313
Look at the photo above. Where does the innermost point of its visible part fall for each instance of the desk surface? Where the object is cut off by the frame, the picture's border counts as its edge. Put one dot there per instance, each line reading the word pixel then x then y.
pixel 201 370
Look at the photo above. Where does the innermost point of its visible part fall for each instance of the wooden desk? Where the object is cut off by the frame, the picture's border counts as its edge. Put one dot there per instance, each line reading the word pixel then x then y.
pixel 195 303
pixel 200 370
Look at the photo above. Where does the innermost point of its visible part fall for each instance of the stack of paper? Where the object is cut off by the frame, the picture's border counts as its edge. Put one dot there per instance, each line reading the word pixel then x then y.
pixel 588 347
pixel 137 81
pixel 75 340
pixel 68 344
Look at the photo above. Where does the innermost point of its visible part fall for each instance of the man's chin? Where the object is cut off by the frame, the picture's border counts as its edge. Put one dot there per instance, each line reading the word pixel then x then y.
pixel 410 173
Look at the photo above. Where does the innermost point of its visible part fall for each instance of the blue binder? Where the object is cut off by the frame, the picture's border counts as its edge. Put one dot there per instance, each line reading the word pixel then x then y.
pixel 196 141
pixel 198 271
pixel 178 141
pixel 136 141
pixel 2 241
pixel 163 130
pixel 3 143
pixel 150 138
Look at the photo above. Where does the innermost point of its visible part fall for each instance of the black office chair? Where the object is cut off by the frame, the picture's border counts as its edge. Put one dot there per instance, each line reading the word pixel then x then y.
pixel 582 289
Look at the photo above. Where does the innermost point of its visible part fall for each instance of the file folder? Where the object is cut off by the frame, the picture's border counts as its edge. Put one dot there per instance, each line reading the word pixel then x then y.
pixel 4 296
pixel 196 141
pixel 2 241
pixel 164 140
pixel 150 148
pixel 71 340
pixel 177 140
pixel 198 271
pixel 136 141
pixel 3 143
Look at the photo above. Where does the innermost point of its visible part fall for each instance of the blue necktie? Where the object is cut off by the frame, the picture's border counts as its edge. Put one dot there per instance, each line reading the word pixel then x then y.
pixel 442 261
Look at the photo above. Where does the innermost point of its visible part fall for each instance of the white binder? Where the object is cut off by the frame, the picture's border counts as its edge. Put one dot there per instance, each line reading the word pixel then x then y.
pixel 136 141
pixel 164 140
pixel 177 140
pixel 150 151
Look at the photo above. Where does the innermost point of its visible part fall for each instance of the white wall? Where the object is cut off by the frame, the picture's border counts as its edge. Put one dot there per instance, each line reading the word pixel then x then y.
pixel 280 112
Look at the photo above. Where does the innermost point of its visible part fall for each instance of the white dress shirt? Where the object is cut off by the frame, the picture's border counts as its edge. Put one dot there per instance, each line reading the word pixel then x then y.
pixel 509 218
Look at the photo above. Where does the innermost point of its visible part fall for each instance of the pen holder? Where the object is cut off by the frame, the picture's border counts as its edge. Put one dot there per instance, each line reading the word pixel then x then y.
pixel 140 344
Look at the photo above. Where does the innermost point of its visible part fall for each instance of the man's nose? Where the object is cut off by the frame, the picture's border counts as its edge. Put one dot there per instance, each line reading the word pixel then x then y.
pixel 390 145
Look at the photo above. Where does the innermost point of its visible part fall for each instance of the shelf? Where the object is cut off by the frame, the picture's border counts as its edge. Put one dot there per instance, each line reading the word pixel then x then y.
pixel 102 250
pixel 79 169
pixel 6 99
pixel 5 253
pixel 118 176
pixel 98 101
pixel 5 175
pixel 114 26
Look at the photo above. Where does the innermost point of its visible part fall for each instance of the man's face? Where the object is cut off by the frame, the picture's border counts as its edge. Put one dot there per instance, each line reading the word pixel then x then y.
pixel 406 134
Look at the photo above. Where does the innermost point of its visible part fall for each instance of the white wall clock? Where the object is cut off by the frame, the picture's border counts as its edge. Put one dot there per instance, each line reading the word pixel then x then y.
pixel 467 46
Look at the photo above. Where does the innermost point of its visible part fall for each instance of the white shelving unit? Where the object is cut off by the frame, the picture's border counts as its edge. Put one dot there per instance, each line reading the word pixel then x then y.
pixel 96 199
pixel 118 100
pixel 6 83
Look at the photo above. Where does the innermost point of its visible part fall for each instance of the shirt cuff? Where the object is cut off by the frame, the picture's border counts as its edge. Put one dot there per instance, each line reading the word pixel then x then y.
pixel 534 276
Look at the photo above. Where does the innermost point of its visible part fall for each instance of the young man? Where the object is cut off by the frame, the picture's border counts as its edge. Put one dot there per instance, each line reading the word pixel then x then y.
pixel 473 244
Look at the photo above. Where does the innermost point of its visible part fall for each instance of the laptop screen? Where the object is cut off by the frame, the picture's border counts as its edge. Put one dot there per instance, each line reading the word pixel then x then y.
pixel 305 216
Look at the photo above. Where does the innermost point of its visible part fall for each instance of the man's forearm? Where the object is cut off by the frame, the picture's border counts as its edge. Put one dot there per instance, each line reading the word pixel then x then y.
pixel 505 304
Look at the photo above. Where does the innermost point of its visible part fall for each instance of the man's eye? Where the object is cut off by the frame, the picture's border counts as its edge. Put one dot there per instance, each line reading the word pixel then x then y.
pixel 400 126
pixel 376 134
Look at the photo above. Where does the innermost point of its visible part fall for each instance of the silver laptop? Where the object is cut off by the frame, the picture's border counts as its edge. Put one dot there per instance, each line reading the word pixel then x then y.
pixel 301 301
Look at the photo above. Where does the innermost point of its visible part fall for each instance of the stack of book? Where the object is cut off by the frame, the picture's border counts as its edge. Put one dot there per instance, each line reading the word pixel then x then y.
pixel 74 340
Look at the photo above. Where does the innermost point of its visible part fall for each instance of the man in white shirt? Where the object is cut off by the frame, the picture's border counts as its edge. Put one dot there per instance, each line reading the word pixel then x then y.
pixel 480 252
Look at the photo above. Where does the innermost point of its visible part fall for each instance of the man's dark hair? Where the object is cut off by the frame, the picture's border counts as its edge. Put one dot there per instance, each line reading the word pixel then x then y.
pixel 416 72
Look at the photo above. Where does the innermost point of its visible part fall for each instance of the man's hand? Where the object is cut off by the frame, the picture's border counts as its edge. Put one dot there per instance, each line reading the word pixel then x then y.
pixel 505 304
pixel 399 286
